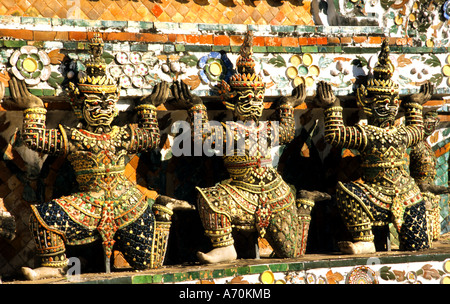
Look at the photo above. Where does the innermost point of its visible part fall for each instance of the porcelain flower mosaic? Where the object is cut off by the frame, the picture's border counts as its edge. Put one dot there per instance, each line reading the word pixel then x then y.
pixel 30 64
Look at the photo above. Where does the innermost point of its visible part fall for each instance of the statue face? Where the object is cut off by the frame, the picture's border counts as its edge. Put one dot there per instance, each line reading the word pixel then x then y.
pixel 100 110
pixel 249 104
pixel 430 123
pixel 384 110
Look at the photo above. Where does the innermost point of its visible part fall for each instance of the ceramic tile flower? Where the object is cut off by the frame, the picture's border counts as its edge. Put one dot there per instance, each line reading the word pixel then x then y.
pixel 134 69
pixel 302 70
pixel 215 67
pixel 30 64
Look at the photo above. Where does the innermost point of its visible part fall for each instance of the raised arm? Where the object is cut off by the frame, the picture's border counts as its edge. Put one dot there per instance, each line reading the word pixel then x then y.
pixel 147 136
pixel 413 113
pixel 197 113
pixel 34 132
pixel 336 133
pixel 285 113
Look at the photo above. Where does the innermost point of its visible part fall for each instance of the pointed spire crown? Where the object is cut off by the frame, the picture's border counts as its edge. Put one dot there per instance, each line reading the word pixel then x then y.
pixel 95 79
pixel 246 77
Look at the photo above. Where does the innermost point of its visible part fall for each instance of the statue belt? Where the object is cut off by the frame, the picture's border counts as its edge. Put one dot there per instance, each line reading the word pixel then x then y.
pixel 387 164
pixel 100 171
pixel 259 162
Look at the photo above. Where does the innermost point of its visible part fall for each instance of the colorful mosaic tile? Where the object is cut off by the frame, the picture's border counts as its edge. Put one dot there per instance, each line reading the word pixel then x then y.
pixel 214 11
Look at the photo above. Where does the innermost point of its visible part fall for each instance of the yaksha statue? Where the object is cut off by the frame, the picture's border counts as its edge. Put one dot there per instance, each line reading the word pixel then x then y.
pixel 108 206
pixel 255 197
pixel 422 166
pixel 386 193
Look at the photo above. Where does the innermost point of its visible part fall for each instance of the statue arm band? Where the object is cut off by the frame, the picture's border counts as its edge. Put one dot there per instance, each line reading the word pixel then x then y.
pixel 198 118
pixel 37 137
pixel 337 134
pixel 147 135
pixel 414 123
pixel 287 124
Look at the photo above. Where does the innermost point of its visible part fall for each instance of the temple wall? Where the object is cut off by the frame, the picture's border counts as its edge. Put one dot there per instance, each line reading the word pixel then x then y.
pixel 198 42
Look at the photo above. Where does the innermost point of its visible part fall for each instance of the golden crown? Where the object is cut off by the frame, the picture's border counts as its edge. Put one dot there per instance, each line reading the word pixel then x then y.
pixel 245 77
pixel 380 83
pixel 95 80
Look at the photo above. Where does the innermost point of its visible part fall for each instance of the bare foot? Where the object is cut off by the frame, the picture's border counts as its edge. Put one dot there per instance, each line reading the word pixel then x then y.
pixel 357 247
pixel 217 255
pixel 173 204
pixel 315 196
pixel 42 273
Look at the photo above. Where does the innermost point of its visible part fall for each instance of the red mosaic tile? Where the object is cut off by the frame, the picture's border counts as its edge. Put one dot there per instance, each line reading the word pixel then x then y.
pixel 289 41
pixel 221 40
pixel 157 10
pixel 19 34
pixel 206 39
pixel 311 40
pixel 303 41
pixel 192 39
pixel 78 36
pixel 374 40
pixel 322 40
pixel 272 41
pixel 258 41
pixel 359 39
pixel 346 40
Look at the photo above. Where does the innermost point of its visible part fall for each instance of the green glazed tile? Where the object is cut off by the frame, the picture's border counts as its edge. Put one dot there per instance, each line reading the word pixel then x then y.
pixel 258 268
pixel 197 48
pixel 114 23
pixel 276 49
pixel 235 48
pixel 305 29
pixel 325 49
pixel 243 270
pixel 259 49
pixel 283 28
pixel 157 278
pixel 142 279
pixel 231 272
pixel 168 278
pixel 293 49
pixel 139 47
pixel 278 267
pixel 81 46
pixel 296 266
pixel 338 49
pixel 169 48
pixel 48 92
pixel 180 47
pixel 193 275
pixel 35 21
pixel 218 273
pixel 38 44
pixel 218 48
pixel 70 45
pixel 342 262
pixel 317 264
pixel 14 43
pixel 180 276
pixel 310 49
pixel 205 274
pixel 36 92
